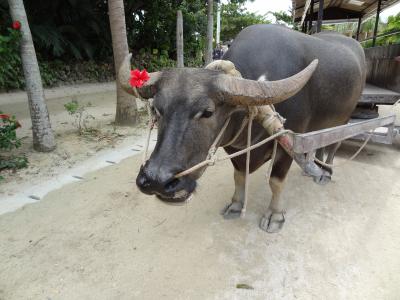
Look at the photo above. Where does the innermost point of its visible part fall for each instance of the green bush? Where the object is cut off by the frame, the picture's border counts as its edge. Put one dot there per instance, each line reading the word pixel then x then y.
pixel 155 62
pixel 81 115
pixel 8 132
pixel 13 162
pixel 57 72
pixel 10 62
pixel 152 62
pixel 9 142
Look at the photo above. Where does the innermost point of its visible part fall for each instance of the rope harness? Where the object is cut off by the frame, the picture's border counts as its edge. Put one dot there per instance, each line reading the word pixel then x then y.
pixel 212 157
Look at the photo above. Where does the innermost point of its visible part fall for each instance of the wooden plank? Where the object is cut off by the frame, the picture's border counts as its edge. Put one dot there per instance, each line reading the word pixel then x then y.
pixel 304 14
pixel 310 141
pixel 366 10
pixel 381 135
pixel 383 69
pixel 376 95
pixel 320 15
pixel 378 11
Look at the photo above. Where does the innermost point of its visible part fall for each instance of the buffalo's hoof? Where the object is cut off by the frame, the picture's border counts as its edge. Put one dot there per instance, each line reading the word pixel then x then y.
pixel 322 180
pixel 272 222
pixel 232 210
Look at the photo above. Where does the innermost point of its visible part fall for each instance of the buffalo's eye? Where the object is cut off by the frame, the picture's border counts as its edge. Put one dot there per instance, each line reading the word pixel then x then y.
pixel 207 114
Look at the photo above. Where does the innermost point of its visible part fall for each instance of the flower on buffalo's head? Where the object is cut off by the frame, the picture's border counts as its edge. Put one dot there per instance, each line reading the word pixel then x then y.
pixel 138 78
pixel 16 25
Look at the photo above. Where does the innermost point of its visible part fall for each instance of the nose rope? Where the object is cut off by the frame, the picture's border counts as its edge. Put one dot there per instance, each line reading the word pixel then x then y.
pixel 246 178
pixel 150 125
pixel 242 126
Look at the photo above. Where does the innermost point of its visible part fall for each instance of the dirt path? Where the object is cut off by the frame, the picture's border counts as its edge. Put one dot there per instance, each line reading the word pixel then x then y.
pixel 101 239
pixel 72 149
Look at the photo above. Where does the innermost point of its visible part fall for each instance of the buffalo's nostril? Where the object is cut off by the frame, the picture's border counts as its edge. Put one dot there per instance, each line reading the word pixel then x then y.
pixel 143 182
pixel 171 185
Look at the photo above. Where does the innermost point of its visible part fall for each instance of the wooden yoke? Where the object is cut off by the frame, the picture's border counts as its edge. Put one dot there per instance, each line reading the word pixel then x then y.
pixel 273 124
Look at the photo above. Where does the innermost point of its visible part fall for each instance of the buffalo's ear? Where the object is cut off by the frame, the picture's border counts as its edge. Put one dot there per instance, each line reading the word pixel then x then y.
pixel 124 75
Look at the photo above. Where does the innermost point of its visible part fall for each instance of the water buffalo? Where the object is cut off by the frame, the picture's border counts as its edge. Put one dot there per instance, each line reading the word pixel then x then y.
pixel 192 105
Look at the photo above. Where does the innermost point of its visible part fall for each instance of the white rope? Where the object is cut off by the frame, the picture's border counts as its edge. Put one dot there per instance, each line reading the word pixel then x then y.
pixel 347 160
pixel 215 159
pixel 244 123
pixel 150 126
pixel 246 178
pixel 269 170
pixel 217 140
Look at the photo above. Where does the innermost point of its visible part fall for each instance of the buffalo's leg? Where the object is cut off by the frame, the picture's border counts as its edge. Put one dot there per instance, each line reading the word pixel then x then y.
pixel 320 154
pixel 331 151
pixel 233 209
pixel 273 219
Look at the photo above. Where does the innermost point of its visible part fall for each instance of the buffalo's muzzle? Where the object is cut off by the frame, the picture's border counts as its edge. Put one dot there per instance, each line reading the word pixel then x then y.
pixel 165 186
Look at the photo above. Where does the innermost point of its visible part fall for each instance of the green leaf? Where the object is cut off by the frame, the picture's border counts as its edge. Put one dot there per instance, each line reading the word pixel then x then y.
pixel 244 286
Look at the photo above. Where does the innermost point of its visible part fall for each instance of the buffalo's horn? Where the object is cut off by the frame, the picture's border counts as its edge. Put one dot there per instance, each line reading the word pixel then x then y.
pixel 239 91
pixel 124 75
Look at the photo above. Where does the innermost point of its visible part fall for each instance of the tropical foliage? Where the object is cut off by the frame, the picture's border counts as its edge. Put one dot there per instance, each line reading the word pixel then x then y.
pixel 73 29
pixel 68 29
pixel 367 31
pixel 235 17
pixel 10 62
pixel 393 25
pixel 282 18
pixel 8 142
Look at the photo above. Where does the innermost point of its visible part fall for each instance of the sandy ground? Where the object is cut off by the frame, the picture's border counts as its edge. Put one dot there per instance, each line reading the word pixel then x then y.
pixel 100 238
pixel 72 148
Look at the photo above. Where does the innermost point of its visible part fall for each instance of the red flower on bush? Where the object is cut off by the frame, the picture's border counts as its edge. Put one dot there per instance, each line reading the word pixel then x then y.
pixel 138 78
pixel 16 25
pixel 7 117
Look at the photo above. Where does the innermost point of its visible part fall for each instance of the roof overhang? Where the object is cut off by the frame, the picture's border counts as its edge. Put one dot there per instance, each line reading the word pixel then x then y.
pixel 341 9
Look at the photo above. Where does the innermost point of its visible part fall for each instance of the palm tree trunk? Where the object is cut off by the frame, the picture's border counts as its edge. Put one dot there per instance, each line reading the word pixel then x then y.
pixel 43 136
pixel 179 39
pixel 126 113
pixel 210 29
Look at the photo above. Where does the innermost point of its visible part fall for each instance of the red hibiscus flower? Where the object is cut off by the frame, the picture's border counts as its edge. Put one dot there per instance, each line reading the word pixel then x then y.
pixel 16 25
pixel 7 117
pixel 138 78
pixel 4 116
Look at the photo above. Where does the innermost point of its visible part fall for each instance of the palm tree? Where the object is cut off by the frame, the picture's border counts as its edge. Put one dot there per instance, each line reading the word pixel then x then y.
pixel 43 136
pixel 179 39
pixel 210 29
pixel 126 113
